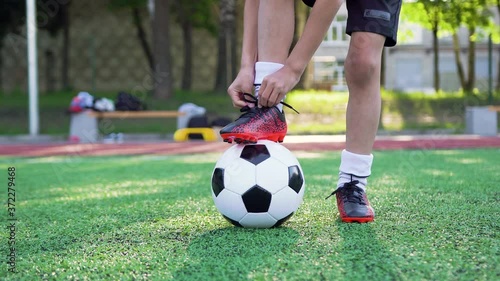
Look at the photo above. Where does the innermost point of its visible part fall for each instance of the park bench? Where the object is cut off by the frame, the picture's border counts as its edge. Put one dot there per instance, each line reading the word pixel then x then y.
pixel 494 108
pixel 84 126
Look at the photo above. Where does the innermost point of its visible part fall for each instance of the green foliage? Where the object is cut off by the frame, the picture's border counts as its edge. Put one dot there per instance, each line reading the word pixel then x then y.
pixel 324 112
pixel 449 15
pixel 427 13
pixel 153 218
pixel 200 14
pixel 120 4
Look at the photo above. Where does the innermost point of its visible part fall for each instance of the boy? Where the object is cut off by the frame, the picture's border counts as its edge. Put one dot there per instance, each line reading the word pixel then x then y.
pixel 269 67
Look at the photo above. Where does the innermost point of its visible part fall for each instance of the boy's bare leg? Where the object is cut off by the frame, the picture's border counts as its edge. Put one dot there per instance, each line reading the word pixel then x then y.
pixel 276 25
pixel 362 67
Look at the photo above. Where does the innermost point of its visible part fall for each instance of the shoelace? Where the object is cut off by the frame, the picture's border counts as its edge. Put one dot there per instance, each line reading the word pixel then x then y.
pixel 252 99
pixel 351 192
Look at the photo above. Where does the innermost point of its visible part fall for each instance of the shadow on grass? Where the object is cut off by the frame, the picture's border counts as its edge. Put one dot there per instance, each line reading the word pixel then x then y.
pixel 238 254
pixel 363 253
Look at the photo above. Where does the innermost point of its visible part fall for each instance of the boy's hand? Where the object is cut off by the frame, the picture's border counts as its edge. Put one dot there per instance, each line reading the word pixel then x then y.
pixel 275 86
pixel 242 84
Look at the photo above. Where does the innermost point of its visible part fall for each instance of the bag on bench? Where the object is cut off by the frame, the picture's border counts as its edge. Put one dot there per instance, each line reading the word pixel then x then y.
pixel 128 102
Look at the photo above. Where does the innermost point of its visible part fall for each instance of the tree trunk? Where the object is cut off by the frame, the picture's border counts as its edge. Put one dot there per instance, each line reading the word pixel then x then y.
pixel 1 69
pixel 471 67
pixel 435 47
pixel 65 48
pixel 226 60
pixel 498 67
pixel 161 38
pixel 49 71
pixel 458 60
pixel 221 75
pixel 233 40
pixel 498 72
pixel 187 32
pixel 141 35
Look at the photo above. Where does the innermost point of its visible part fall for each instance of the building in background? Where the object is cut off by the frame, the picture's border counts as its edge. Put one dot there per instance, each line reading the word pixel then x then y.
pixel 408 66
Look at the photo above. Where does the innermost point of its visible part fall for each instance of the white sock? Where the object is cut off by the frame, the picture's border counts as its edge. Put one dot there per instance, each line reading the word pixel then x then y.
pixel 262 69
pixel 354 167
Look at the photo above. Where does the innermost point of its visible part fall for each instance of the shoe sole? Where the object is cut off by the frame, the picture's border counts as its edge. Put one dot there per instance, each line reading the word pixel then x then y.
pixel 359 220
pixel 241 138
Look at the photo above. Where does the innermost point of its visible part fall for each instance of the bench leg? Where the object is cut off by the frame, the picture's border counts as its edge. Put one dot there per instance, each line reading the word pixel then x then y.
pixel 83 128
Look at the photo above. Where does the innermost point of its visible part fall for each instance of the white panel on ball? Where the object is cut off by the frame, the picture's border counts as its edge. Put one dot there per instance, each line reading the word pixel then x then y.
pixel 272 175
pixel 258 220
pixel 229 156
pixel 281 206
pixel 239 176
pixel 281 153
pixel 230 204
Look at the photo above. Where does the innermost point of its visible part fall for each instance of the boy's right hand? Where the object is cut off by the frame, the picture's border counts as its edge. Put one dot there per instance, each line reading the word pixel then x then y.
pixel 242 84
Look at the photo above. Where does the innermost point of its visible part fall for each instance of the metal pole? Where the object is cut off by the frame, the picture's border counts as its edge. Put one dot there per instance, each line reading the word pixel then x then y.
pixel 490 70
pixel 32 67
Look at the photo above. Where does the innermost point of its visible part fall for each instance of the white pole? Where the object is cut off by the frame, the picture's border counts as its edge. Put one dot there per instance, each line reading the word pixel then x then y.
pixel 32 67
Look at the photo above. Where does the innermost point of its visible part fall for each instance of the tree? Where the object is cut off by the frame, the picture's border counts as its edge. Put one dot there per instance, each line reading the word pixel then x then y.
pixel 191 15
pixel 473 15
pixel 430 15
pixel 498 67
pixel 227 45
pixel 11 16
pixel 161 45
pixel 52 17
pixel 135 11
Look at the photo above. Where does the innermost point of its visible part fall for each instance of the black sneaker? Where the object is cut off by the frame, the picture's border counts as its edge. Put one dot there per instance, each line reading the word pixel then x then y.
pixel 265 123
pixel 353 204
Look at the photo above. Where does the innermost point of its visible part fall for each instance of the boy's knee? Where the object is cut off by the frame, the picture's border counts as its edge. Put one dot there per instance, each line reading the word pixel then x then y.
pixel 364 56
pixel 361 66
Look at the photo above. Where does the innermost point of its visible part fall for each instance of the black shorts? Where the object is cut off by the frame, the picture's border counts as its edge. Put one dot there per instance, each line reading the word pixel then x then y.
pixel 376 16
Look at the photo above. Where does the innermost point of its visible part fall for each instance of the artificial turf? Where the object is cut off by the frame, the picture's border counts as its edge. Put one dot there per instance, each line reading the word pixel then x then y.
pixel 153 218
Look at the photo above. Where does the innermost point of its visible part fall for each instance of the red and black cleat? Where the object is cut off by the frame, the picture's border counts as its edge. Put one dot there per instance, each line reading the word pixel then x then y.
pixel 265 123
pixel 353 204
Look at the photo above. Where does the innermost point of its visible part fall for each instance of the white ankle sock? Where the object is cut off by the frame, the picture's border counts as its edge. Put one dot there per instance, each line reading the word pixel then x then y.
pixel 354 167
pixel 262 69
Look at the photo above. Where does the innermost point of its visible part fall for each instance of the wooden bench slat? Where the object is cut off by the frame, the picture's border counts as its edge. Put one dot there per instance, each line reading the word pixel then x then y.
pixel 494 108
pixel 136 114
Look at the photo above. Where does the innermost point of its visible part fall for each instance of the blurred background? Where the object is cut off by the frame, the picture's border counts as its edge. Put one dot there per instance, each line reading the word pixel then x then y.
pixel 171 52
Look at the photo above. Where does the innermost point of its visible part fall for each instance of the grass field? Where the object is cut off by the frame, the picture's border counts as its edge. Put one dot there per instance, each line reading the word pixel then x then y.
pixel 152 217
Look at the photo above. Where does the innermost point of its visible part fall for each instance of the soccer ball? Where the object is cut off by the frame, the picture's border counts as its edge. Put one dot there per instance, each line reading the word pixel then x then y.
pixel 257 185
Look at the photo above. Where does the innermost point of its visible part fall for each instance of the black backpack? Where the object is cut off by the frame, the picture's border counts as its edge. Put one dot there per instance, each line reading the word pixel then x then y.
pixel 199 121
pixel 128 102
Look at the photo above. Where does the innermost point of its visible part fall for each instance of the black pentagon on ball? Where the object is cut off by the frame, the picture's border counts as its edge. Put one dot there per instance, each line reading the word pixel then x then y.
pixel 255 154
pixel 295 179
pixel 257 199
pixel 218 181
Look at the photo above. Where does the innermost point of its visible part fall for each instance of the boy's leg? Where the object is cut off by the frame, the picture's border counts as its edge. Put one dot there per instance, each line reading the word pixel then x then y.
pixel 372 24
pixel 276 24
pixel 275 35
pixel 362 69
